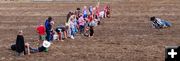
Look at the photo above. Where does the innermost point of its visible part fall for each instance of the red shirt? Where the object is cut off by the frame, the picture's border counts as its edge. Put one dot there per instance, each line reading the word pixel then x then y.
pixel 90 18
pixel 41 30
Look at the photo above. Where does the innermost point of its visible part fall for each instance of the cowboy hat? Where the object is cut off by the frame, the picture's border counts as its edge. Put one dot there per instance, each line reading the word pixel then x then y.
pixel 46 44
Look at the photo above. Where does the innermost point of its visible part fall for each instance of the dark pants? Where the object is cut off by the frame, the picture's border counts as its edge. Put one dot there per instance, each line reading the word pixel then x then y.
pixel 48 35
pixel 81 28
pixel 91 31
pixel 13 47
pixel 99 23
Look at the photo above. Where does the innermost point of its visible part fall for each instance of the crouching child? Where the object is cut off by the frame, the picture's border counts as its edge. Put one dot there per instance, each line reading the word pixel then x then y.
pixel 61 31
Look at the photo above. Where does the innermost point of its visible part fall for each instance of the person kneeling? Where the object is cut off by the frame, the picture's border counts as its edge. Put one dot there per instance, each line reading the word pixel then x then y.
pixel 160 23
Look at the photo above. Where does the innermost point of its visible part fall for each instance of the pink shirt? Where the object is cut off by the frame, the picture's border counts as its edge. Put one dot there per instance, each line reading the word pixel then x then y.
pixel 81 21
pixel 97 11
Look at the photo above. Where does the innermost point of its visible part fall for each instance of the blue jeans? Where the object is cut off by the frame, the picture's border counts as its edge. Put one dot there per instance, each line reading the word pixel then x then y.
pixel 85 16
pixel 76 30
pixel 48 35
pixel 33 50
pixel 73 31
pixel 164 23
pixel 168 24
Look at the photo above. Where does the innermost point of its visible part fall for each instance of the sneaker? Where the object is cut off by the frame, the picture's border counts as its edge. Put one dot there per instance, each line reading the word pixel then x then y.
pixel 72 37
pixel 62 40
pixel 17 54
pixel 91 36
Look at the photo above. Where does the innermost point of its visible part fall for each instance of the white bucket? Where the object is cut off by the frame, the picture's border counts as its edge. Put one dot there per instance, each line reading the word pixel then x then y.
pixel 55 37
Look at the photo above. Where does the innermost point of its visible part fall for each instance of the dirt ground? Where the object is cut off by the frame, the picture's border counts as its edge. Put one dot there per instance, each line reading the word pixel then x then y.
pixel 126 36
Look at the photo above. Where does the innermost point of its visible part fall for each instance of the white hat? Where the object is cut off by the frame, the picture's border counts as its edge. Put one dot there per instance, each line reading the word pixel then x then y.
pixel 46 44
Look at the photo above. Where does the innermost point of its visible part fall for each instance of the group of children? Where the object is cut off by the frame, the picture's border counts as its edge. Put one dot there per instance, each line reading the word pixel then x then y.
pixel 81 21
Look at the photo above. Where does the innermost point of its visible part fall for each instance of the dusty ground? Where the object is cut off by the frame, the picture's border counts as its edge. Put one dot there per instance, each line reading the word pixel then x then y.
pixel 126 36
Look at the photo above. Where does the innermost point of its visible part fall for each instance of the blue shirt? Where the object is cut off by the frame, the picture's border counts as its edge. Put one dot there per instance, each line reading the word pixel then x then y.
pixel 48 25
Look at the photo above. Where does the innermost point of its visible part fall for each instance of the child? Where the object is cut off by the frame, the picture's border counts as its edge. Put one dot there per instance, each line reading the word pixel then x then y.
pixel 85 13
pixel 86 31
pixel 90 9
pixel 77 13
pixel 81 22
pixel 61 31
pixel 73 26
pixel 92 24
pixel 52 33
pixel 76 24
pixel 108 11
pixel 41 31
pixel 102 14
pixel 97 8
pixel 91 30
pixel 68 16
pixel 105 10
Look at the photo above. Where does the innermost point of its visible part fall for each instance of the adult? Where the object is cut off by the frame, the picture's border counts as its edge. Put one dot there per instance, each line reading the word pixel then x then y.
pixel 159 23
pixel 48 27
pixel 19 47
pixel 43 48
